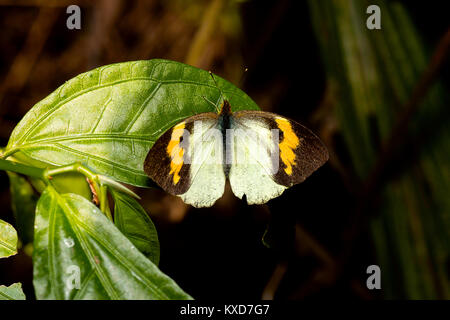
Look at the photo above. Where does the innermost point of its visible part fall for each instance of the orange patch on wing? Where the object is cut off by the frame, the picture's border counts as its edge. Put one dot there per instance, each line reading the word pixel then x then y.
pixel 288 145
pixel 176 152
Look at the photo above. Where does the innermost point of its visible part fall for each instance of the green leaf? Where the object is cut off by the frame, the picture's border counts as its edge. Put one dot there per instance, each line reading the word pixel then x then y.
pixel 8 240
pixel 80 254
pixel 132 220
pixel 108 118
pixel 13 292
pixel 72 182
pixel 23 202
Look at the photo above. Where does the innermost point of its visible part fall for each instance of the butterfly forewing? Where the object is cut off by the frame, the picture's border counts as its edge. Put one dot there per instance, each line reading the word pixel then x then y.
pixel 187 160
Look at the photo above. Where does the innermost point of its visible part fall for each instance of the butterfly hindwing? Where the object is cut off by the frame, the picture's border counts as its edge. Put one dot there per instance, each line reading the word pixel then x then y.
pixel 187 160
pixel 280 153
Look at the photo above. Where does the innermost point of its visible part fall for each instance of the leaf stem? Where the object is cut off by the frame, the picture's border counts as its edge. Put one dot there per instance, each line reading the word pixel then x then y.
pixel 99 182
pixel 104 205
pixel 77 167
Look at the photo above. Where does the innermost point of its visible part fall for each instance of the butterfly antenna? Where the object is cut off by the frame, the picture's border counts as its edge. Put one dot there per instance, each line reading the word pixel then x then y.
pixel 243 77
pixel 215 105
pixel 221 92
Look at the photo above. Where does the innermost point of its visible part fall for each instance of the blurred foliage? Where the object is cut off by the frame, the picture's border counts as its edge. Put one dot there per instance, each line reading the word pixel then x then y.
pixel 23 202
pixel 371 75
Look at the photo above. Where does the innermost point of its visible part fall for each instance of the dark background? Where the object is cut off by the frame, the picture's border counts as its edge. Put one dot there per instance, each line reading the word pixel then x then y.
pixel 213 253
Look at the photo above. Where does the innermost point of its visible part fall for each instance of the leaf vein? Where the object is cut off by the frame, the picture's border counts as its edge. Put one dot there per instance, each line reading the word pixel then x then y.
pixel 81 92
pixel 120 258
pixel 88 250
pixel 141 108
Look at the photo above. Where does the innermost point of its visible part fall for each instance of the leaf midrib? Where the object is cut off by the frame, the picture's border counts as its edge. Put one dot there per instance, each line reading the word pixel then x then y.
pixel 6 296
pixel 104 160
pixel 121 259
pixel 86 248
pixel 7 245
pixel 106 283
pixel 81 92
pixel 90 136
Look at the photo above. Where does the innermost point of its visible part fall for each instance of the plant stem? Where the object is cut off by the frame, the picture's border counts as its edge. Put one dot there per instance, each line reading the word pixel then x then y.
pixel 99 183
pixel 22 169
pixel 75 167
pixel 207 28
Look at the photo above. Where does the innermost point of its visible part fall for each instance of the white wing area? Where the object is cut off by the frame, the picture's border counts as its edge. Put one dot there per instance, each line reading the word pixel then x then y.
pixel 254 159
pixel 205 152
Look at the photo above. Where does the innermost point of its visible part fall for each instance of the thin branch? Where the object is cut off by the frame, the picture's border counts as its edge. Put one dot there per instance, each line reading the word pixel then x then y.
pixel 400 130
pixel 20 168
pixel 274 281
pixel 204 33
pixel 45 3
pixel 24 61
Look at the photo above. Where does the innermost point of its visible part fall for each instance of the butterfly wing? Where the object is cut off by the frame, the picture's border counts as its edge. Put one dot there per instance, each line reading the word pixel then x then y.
pixel 187 160
pixel 269 153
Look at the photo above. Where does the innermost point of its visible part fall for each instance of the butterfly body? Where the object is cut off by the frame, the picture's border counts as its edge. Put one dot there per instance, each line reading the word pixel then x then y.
pixel 260 153
pixel 225 123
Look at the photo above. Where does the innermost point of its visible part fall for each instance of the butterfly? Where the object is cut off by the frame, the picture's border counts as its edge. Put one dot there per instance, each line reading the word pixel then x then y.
pixel 260 153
